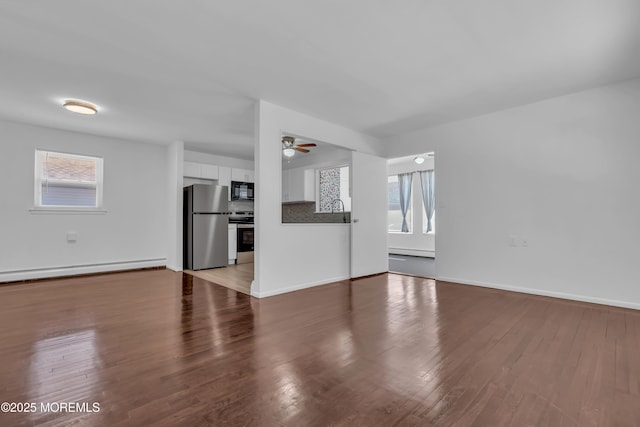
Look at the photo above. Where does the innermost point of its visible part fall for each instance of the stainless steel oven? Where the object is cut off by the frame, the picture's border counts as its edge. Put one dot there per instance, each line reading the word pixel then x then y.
pixel 245 238
pixel 245 243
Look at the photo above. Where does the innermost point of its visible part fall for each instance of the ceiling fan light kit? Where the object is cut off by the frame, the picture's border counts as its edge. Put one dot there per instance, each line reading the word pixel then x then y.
pixel 289 146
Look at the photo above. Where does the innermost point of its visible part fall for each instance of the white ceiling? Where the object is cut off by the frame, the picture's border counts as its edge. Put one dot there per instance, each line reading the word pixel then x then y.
pixel 191 70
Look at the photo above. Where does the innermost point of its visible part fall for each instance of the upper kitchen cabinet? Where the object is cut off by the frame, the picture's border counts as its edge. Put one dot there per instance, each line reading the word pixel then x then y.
pixel 242 175
pixel 222 170
pixel 191 169
pixel 209 171
pixel 200 170
pixel 224 178
pixel 298 185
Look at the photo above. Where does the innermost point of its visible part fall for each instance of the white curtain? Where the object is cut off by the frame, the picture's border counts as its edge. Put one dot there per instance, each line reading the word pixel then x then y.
pixel 428 196
pixel 405 179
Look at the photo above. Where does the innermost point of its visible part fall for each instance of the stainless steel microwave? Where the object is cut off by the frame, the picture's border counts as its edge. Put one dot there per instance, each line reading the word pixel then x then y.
pixel 241 190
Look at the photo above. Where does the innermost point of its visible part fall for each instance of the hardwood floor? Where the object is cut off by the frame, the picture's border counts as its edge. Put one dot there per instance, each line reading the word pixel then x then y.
pixel 163 348
pixel 237 277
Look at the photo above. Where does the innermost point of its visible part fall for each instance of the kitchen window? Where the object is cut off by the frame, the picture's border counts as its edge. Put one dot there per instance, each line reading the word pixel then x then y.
pixel 68 182
pixel 333 185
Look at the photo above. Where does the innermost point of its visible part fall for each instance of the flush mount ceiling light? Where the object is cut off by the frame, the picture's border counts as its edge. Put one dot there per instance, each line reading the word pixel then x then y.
pixel 80 107
pixel 419 160
pixel 289 152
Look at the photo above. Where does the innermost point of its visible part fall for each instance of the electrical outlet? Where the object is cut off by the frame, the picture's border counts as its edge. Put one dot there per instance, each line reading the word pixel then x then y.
pixel 72 236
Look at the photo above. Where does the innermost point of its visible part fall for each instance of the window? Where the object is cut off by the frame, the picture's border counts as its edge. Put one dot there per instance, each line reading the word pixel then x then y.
pixel 422 200
pixel 425 222
pixel 67 181
pixel 394 210
pixel 428 200
pixel 333 184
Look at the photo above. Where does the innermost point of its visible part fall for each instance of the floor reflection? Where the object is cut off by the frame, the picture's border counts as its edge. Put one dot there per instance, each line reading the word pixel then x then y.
pixel 212 316
pixel 186 314
pixel 66 366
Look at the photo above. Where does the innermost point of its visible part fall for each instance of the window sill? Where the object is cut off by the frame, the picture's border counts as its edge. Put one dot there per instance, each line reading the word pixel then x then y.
pixel 67 211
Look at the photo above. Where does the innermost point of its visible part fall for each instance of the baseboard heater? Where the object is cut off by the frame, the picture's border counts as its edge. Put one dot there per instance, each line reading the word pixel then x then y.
pixel 74 270
pixel 412 252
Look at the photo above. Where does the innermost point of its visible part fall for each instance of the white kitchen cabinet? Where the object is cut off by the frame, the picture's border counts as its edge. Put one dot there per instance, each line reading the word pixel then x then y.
pixel 200 170
pixel 208 171
pixel 242 175
pixel 223 174
pixel 224 178
pixel 233 243
pixel 191 169
pixel 298 185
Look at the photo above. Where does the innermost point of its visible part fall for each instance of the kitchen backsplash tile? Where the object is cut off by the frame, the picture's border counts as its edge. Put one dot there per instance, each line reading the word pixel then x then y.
pixel 241 206
pixel 305 213
pixel 329 188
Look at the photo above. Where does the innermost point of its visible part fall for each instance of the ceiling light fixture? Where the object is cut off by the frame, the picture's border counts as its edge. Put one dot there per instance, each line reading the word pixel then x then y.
pixel 419 160
pixel 289 152
pixel 80 107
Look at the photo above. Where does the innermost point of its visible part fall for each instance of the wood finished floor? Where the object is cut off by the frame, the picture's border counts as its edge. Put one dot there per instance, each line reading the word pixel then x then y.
pixel 167 349
pixel 237 277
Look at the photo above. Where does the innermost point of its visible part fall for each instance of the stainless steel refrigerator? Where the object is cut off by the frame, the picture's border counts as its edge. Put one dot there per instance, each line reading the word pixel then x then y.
pixel 206 219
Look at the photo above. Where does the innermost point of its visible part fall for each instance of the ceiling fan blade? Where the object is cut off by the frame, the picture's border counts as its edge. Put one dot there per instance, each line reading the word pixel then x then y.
pixel 306 145
pixel 302 150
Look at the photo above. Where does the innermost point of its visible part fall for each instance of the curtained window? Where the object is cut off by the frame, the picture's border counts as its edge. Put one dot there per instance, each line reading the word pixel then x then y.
pixel 399 208
pixel 404 181
pixel 428 199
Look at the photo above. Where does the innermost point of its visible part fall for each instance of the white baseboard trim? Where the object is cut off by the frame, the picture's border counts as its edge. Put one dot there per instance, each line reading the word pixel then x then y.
pixel 174 268
pixel 44 273
pixel 412 252
pixel 541 292
pixel 255 293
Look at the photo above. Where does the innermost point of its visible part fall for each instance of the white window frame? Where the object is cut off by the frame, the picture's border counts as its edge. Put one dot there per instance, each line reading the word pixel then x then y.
pixel 38 207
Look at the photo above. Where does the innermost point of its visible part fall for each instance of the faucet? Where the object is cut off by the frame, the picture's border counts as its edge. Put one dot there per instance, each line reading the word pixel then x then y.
pixel 344 214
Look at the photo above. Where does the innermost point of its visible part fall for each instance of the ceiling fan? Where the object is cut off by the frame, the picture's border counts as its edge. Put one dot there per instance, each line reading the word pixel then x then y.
pixel 289 146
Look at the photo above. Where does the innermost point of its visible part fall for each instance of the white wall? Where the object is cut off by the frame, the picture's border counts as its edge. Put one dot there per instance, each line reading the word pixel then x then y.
pixel 175 168
pixel 295 256
pixel 562 173
pixel 416 243
pixel 131 234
